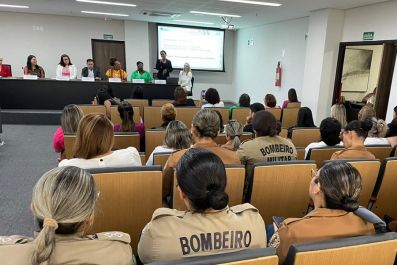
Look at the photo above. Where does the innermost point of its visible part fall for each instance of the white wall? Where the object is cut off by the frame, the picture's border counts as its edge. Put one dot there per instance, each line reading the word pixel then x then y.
pixel 380 18
pixel 255 66
pixel 136 44
pixel 60 34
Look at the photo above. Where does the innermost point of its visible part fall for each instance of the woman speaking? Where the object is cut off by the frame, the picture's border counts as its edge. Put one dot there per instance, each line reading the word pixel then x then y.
pixel 163 66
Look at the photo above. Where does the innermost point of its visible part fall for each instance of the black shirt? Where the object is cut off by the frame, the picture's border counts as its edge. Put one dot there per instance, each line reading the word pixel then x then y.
pixel 188 103
pixel 160 66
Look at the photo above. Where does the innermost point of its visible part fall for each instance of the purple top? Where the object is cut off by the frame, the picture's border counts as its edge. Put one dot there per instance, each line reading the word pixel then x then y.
pixel 138 127
pixel 285 104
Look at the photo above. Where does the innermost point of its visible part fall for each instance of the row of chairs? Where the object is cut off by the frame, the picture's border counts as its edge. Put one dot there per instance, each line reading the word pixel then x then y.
pixel 278 189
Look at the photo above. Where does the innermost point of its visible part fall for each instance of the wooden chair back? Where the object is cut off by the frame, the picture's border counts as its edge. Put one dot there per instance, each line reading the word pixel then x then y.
pixel 240 115
pixel 284 133
pixel 322 154
pixel 115 115
pixel 387 195
pixel 160 159
pixel 271 260
pixel 281 189
pixel 302 137
pixel 152 117
pixel 235 185
pixel 276 112
pixel 143 158
pixel 185 114
pixel 153 138
pixel 294 105
pixel 141 103
pixel 89 109
pixel 119 206
pixel 301 153
pixel 160 102
pixel 380 151
pixel 289 117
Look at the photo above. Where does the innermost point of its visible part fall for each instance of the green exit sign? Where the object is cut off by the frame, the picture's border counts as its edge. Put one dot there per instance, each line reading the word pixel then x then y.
pixel 107 37
pixel 368 35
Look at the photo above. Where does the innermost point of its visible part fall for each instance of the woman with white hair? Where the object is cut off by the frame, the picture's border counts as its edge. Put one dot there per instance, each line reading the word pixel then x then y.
pixel 185 78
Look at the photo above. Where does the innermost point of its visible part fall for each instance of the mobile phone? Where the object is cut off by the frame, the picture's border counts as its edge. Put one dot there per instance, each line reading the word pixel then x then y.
pixel 278 220
pixel 203 94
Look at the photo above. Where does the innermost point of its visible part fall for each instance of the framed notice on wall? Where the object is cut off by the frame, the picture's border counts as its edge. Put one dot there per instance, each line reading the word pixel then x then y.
pixel 356 70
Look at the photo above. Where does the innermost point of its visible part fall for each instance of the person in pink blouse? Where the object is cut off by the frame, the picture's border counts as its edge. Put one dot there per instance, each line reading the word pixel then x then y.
pixel 292 97
pixel 70 118
pixel 126 112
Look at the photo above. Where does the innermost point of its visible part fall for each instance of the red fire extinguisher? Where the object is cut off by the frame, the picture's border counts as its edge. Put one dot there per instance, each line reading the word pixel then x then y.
pixel 278 75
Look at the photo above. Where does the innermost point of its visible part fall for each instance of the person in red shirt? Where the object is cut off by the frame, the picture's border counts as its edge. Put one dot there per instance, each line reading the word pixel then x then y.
pixel 5 70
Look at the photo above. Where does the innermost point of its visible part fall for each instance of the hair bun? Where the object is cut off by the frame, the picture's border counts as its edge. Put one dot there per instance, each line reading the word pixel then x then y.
pixel 349 204
pixel 217 199
pixel 367 124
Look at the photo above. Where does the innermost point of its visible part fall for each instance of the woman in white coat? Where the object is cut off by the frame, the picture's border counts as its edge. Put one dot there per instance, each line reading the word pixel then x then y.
pixel 65 68
pixel 185 78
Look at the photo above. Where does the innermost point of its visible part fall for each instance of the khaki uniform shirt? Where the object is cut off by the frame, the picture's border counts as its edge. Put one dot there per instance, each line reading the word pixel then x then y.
pixel 353 153
pixel 227 156
pixel 173 234
pixel 267 149
pixel 103 248
pixel 319 225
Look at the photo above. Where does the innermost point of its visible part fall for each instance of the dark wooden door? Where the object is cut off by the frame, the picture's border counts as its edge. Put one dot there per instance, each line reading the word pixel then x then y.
pixel 104 50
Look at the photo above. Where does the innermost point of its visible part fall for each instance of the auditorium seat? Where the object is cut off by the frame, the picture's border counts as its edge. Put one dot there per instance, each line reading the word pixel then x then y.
pixel 258 256
pixel 143 158
pixel 224 113
pixel 121 141
pixel 380 151
pixel 386 189
pixel 141 103
pixel 281 188
pixel 153 138
pixel 301 153
pixel 240 115
pixel 361 250
pixel 276 112
pixel 284 133
pixel 302 137
pixel 369 171
pixel 122 191
pixel 115 116
pixel 152 117
pixel 294 105
pixel 221 138
pixel 235 186
pixel 160 102
pixel 289 117
pixel 321 154
pixel 89 109
pixel 186 114
pixel 160 159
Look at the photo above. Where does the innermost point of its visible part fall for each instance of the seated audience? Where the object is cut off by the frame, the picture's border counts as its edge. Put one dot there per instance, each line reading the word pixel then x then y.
pixel 334 190
pixel 70 118
pixel 254 108
pixel 338 111
pixel 353 137
pixel 305 118
pixel 94 144
pixel 141 74
pixel 126 112
pixel 330 129
pixel 243 102
pixel 5 70
pixel 116 71
pixel 367 111
pixel 91 71
pixel 212 99
pixel 177 137
pixel 104 96
pixel 376 136
pixel 233 131
pixel 173 234
pixel 205 128
pixel 32 68
pixel 137 93
pixel 267 145
pixel 180 98
pixel 270 101
pixel 292 97
pixel 65 68
pixel 168 114
pixel 63 204
pixel 391 134
pixel 185 78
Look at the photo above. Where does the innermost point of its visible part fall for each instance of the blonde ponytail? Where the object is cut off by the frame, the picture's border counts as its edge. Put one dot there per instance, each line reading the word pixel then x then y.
pixel 234 130
pixel 45 245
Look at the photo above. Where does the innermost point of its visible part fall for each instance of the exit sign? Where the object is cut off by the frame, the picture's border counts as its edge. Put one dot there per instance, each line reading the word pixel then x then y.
pixel 368 35
pixel 107 37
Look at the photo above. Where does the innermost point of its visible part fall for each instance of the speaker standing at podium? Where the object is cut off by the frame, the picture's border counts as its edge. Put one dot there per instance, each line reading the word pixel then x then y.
pixel 163 66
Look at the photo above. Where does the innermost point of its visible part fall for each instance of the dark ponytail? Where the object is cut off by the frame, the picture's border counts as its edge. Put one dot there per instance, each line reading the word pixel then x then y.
pixel 126 112
pixel 201 176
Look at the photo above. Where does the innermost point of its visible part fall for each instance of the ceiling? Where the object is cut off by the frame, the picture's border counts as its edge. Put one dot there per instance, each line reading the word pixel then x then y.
pixel 252 15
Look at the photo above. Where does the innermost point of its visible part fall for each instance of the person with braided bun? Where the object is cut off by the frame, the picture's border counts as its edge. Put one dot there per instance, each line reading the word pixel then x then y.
pixel 209 226
pixel 63 204
pixel 334 190
pixel 233 131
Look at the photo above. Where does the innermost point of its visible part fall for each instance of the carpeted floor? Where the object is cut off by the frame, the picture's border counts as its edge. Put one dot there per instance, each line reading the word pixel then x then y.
pixel 26 155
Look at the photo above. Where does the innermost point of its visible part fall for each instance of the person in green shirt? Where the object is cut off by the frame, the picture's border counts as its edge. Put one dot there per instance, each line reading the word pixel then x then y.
pixel 243 102
pixel 141 74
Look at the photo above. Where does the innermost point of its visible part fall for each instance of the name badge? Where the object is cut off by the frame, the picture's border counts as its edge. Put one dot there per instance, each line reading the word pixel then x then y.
pixel 114 80
pixel 62 78
pixel 138 81
pixel 88 79
pixel 160 82
pixel 30 77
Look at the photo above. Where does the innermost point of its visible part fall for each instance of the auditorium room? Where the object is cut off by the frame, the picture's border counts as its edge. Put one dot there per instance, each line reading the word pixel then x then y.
pixel 198 132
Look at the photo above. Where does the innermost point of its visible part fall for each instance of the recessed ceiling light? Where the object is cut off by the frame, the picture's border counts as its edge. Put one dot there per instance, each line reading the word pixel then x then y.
pixel 105 3
pixel 213 14
pixel 252 2
pixel 13 6
pixel 194 22
pixel 106 14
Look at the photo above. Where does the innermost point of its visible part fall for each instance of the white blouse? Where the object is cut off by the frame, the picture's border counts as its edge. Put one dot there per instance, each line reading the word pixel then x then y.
pixel 158 150
pixel 217 105
pixel 128 157
pixel 185 80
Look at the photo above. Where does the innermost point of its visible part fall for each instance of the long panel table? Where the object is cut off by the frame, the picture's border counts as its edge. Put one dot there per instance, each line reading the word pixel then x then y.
pixel 50 94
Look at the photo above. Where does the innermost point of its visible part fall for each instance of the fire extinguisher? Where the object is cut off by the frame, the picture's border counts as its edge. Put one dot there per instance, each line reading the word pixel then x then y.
pixel 278 75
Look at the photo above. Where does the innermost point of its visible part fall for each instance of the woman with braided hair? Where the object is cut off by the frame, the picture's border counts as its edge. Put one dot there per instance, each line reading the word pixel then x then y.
pixel 233 131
